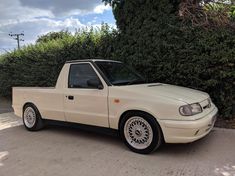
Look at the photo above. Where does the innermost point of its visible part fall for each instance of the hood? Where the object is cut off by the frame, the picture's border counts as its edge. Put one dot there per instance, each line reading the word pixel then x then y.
pixel 184 94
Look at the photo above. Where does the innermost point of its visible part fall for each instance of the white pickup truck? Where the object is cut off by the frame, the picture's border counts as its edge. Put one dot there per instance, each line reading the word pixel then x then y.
pixel 110 94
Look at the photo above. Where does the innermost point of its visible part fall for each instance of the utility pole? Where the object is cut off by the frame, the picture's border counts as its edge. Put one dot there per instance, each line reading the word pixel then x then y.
pixel 17 37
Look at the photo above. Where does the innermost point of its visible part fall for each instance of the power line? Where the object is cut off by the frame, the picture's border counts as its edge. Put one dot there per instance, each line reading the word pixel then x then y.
pixel 17 38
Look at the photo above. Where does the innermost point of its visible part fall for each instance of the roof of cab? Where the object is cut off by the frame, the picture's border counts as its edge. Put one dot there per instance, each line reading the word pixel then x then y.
pixel 90 60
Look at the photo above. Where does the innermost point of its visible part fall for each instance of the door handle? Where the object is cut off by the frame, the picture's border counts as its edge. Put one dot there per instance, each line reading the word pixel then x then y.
pixel 70 97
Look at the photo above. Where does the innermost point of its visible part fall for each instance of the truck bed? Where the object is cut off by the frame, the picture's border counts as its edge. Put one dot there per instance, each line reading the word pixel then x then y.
pixel 41 98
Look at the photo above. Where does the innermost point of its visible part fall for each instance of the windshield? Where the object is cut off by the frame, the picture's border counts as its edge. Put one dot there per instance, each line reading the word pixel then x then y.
pixel 119 74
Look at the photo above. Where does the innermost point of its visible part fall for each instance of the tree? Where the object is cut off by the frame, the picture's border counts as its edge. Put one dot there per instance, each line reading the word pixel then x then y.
pixel 52 36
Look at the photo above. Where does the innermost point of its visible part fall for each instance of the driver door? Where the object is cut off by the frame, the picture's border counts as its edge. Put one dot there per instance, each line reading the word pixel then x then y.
pixel 83 103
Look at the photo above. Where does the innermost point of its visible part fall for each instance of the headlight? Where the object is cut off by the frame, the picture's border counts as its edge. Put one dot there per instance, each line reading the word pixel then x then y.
pixel 191 109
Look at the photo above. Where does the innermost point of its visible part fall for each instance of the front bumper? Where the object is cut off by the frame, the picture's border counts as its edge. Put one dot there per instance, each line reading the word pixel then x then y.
pixel 188 131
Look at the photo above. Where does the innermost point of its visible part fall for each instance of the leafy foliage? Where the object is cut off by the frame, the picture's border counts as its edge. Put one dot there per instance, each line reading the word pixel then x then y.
pixel 232 13
pixel 206 13
pixel 53 36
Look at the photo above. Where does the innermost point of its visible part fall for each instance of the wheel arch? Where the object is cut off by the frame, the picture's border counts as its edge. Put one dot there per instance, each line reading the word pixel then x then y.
pixel 139 111
pixel 30 103
pixel 38 124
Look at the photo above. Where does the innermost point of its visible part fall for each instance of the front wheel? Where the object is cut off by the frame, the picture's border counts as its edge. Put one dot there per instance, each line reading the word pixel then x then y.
pixel 31 118
pixel 140 132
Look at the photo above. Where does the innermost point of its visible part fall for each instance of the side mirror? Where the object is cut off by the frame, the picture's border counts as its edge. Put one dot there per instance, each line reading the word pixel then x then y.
pixel 95 83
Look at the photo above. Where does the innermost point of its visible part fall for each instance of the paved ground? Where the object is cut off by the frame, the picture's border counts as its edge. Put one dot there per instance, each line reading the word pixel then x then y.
pixel 64 151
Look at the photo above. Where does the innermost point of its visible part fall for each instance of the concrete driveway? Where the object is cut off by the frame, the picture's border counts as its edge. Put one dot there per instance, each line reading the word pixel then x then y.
pixel 63 151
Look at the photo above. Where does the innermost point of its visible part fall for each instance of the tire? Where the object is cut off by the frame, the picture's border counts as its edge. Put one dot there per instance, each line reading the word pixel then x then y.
pixel 31 118
pixel 140 132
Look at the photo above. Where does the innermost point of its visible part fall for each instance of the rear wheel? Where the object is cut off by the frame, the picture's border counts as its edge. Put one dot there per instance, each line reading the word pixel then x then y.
pixel 140 132
pixel 31 118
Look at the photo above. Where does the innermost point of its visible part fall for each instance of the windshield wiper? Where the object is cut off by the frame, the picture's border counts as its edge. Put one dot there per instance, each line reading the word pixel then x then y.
pixel 136 81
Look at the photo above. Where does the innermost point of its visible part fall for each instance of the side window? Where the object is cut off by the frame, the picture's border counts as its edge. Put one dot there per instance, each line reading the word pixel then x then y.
pixel 79 74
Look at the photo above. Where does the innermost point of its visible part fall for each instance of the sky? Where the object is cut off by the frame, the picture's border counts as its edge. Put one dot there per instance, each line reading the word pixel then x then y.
pixel 37 17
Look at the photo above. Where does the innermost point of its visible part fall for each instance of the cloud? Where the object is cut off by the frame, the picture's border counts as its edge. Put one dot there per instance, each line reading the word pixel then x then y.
pixel 67 7
pixel 101 8
pixel 34 28
pixel 11 12
pixel 14 11
pixel 37 17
